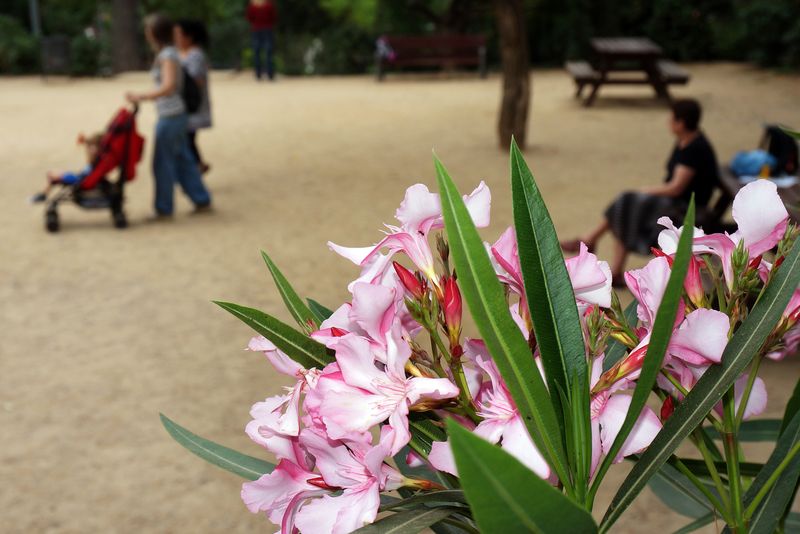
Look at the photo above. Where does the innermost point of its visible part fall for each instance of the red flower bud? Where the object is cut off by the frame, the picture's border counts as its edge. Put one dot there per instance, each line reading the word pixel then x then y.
pixel 754 263
pixel 452 302
pixel 667 408
pixel 409 281
pixel 693 283
pixel 338 332
pixel 320 483
pixel 658 253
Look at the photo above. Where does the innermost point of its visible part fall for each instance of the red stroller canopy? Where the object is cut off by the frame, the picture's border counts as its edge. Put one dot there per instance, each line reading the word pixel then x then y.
pixel 121 146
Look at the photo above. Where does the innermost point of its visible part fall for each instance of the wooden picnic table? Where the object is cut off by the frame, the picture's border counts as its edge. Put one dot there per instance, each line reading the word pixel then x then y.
pixel 626 54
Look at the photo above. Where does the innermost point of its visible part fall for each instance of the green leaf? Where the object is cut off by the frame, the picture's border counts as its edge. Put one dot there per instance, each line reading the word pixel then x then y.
pixel 297 346
pixel 506 496
pixel 301 313
pixel 689 414
pixel 237 463
pixel 791 132
pixel 659 340
pixel 697 524
pixel 410 522
pixel 753 431
pixel 616 350
pixel 444 497
pixel 699 467
pixel 677 491
pixel 547 284
pixel 487 303
pixel 774 504
pixel 792 407
pixel 424 432
pixel 322 313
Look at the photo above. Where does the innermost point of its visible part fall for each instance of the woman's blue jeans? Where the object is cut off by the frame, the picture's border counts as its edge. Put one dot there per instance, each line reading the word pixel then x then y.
pixel 173 162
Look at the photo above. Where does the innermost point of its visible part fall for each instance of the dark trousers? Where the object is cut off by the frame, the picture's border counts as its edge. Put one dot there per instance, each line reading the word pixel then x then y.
pixel 193 146
pixel 263 41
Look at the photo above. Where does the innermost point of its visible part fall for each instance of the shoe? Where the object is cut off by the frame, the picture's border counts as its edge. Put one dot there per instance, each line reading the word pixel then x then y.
pixel 204 168
pixel 38 198
pixel 202 208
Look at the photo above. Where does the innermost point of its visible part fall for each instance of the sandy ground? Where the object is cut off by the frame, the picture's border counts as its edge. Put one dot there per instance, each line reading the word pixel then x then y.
pixel 103 329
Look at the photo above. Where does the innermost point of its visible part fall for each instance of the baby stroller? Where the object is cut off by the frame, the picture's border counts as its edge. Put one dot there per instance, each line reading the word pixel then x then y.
pixel 121 147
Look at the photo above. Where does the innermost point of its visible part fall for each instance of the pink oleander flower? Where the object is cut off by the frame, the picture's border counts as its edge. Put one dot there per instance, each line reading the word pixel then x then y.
pixel 761 218
pixel 647 286
pixel 608 411
pixel 419 214
pixel 342 496
pixel 371 392
pixel 501 424
pixel 591 279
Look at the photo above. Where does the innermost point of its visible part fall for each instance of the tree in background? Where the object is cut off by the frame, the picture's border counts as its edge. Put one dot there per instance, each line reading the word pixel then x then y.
pixel 125 35
pixel 513 119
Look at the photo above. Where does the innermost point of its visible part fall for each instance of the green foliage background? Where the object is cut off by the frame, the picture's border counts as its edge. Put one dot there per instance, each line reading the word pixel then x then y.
pixel 337 36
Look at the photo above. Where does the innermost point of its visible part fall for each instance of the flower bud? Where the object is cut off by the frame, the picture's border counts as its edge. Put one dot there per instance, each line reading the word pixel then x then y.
pixel 412 284
pixel 667 408
pixel 452 309
pixel 693 283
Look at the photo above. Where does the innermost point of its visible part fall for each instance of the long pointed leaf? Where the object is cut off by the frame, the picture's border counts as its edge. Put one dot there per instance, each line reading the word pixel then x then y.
pixel 677 491
pixel 319 310
pixel 240 464
pixel 659 339
pixel 410 522
pixel 506 496
pixel 774 504
pixel 487 303
pixel 697 524
pixel 547 284
pixel 444 497
pixel 301 313
pixel 753 431
pixel 708 391
pixel 297 346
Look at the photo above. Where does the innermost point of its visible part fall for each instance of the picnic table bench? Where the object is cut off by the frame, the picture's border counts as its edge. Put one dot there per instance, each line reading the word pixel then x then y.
pixel 625 54
pixel 444 50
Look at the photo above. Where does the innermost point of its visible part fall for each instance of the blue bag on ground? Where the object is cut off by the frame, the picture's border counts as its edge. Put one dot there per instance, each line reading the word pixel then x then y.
pixel 750 162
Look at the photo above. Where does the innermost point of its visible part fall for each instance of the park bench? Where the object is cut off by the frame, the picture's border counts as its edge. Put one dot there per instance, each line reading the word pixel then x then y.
pixel 625 55
pixel 445 51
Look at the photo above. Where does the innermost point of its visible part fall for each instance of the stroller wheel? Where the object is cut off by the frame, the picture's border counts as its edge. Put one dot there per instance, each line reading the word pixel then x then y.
pixel 120 221
pixel 51 221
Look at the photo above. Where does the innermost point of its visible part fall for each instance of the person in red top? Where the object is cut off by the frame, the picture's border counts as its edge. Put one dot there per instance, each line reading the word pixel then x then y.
pixel 262 15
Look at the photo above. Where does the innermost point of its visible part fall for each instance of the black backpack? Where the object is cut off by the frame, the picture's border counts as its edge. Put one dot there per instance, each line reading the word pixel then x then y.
pixel 190 93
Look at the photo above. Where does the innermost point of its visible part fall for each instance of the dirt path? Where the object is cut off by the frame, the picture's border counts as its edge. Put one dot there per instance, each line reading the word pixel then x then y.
pixel 103 329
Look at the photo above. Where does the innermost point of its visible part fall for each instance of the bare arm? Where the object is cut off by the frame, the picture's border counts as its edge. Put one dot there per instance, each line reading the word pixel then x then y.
pixel 681 178
pixel 169 83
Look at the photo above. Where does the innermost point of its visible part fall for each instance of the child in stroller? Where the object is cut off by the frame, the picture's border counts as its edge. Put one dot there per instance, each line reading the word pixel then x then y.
pixel 120 146
pixel 92 144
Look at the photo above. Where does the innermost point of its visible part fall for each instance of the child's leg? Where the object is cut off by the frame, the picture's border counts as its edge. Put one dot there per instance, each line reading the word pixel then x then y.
pixel 167 140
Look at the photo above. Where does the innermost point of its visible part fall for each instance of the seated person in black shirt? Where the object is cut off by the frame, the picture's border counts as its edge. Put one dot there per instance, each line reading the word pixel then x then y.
pixel 632 217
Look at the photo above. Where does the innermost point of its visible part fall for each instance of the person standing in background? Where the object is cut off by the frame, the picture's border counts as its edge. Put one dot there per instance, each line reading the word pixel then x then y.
pixel 191 38
pixel 262 15
pixel 172 158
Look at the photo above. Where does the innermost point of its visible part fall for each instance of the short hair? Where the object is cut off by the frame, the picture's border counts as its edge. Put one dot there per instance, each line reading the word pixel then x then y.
pixel 688 111
pixel 161 28
pixel 195 30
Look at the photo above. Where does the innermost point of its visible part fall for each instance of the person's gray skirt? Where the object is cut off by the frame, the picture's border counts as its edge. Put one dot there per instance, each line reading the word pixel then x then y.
pixel 633 218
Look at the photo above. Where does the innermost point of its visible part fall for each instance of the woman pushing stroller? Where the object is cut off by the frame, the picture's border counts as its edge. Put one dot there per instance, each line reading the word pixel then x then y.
pixel 173 160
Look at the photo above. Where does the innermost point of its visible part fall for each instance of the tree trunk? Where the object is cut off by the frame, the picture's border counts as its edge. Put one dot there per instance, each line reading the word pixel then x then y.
pixel 126 28
pixel 513 119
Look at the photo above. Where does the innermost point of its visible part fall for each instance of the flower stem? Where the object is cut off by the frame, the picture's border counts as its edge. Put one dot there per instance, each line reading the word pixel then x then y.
pixel 771 481
pixel 713 499
pixel 712 468
pixel 732 460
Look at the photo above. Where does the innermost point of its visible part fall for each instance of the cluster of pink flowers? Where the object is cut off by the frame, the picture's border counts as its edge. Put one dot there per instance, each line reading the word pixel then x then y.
pixel 335 432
